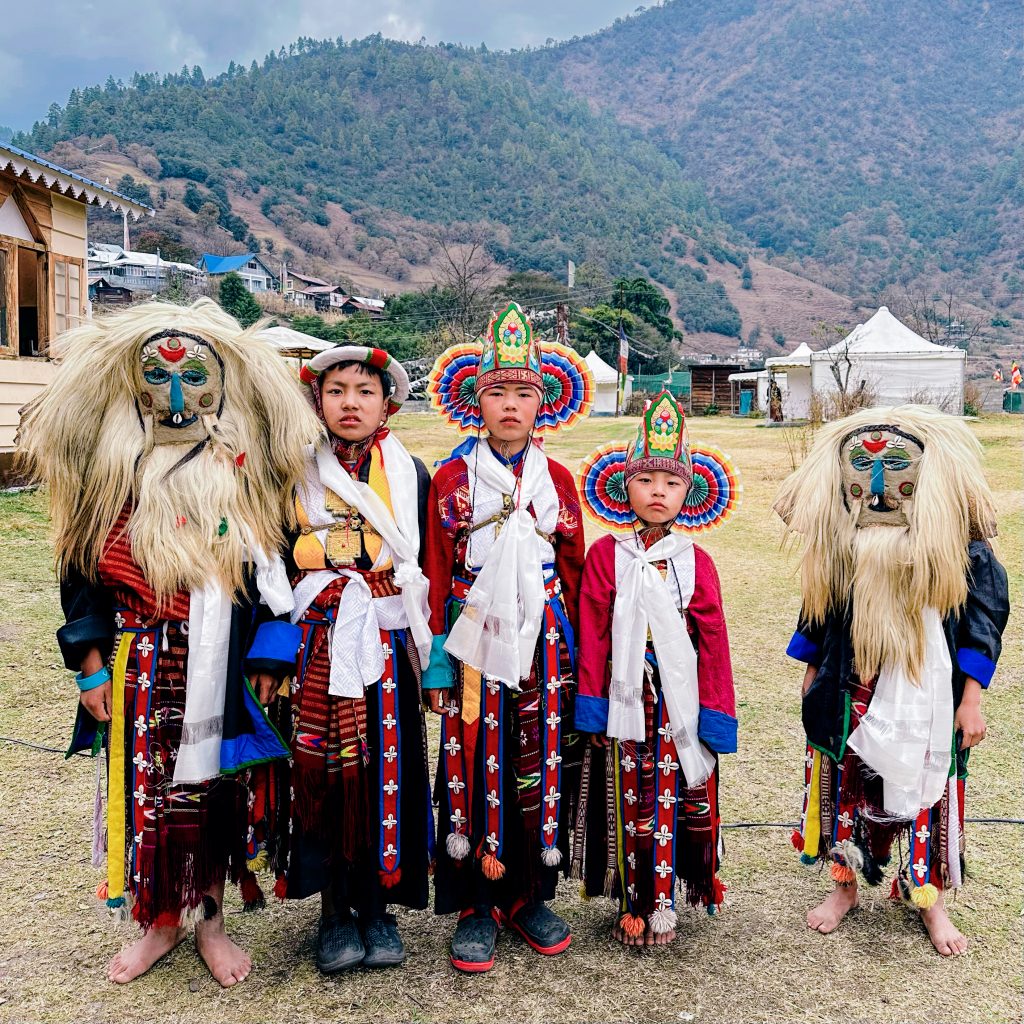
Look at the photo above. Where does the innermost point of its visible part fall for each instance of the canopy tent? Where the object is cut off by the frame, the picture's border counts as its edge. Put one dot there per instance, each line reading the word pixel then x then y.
pixel 294 345
pixel 606 382
pixel 793 375
pixel 896 365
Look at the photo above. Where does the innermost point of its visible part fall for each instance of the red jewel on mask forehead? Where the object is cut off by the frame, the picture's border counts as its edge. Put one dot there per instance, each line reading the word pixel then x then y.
pixel 173 350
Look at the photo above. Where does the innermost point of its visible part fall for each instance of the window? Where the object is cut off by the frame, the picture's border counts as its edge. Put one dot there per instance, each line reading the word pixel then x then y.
pixel 67 294
pixel 5 338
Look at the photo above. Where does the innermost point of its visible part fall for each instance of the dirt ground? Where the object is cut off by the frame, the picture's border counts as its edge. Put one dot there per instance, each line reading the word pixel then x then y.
pixel 754 962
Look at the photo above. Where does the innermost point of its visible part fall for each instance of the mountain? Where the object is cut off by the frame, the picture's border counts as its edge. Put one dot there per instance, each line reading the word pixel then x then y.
pixel 879 142
pixel 748 155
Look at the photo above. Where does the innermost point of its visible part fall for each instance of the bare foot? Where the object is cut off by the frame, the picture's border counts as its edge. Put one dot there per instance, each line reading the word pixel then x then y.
pixel 137 958
pixel 619 934
pixel 660 938
pixel 946 937
pixel 825 917
pixel 228 963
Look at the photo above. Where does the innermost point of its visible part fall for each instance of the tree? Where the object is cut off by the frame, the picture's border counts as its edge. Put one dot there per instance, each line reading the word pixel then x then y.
pixel 236 300
pixel 942 319
pixel 747 278
pixel 465 269
pixel 644 299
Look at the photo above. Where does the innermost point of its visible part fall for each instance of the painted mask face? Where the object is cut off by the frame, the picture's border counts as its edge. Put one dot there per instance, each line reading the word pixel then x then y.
pixel 182 381
pixel 880 468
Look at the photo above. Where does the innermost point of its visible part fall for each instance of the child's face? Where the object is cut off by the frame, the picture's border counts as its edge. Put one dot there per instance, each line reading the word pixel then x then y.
pixel 509 411
pixel 657 497
pixel 353 402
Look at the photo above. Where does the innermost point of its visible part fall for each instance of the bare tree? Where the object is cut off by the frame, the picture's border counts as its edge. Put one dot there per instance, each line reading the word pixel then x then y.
pixel 850 395
pixel 941 319
pixel 464 271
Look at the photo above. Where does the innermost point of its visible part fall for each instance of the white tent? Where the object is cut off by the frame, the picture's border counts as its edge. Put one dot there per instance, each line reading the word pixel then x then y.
pixel 295 346
pixel 793 375
pixel 894 363
pixel 606 382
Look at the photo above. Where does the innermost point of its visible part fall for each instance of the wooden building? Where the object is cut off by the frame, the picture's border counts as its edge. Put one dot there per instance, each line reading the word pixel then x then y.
pixel 43 268
pixel 709 385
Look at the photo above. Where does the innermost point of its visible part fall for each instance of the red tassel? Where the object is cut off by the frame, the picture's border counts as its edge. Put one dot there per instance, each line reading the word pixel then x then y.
pixel 797 840
pixel 492 868
pixel 252 894
pixel 167 919
pixel 281 887
pixel 894 892
pixel 842 874
pixel 389 879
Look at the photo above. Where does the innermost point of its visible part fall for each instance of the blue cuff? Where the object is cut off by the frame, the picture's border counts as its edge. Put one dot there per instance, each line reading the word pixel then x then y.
pixel 591 714
pixel 439 674
pixel 974 664
pixel 717 731
pixel 276 641
pixel 802 649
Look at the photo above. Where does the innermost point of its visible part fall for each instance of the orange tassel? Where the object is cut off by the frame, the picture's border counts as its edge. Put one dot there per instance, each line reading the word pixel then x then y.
pixel 842 874
pixel 633 925
pixel 797 840
pixel 389 879
pixel 492 868
pixel 101 890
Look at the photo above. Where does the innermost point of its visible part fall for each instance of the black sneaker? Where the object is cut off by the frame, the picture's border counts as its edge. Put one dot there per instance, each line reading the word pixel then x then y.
pixel 475 940
pixel 542 928
pixel 384 947
pixel 338 945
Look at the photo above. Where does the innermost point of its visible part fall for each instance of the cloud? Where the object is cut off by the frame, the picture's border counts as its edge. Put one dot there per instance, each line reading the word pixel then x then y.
pixel 77 44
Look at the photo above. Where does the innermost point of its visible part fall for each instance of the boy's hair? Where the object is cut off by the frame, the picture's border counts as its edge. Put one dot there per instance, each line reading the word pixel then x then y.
pixel 366 369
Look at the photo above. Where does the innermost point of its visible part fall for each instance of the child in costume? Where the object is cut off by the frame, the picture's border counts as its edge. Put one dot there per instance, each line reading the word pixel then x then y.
pixel 170 441
pixel 504 555
pixel 904 605
pixel 350 817
pixel 655 678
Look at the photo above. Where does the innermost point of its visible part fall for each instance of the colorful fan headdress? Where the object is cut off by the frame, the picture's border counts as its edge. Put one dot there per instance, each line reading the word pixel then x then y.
pixel 322 361
pixel 661 443
pixel 510 354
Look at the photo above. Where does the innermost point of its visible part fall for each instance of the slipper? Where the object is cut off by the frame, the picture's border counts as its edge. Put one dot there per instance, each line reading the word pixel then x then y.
pixel 475 940
pixel 542 928
pixel 338 945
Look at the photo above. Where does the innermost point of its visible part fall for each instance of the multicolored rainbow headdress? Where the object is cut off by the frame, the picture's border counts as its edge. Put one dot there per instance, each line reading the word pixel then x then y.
pixel 562 374
pixel 661 443
pixel 510 354
pixel 311 372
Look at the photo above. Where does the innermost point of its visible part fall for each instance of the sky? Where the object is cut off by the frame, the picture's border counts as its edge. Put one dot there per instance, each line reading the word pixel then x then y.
pixel 80 42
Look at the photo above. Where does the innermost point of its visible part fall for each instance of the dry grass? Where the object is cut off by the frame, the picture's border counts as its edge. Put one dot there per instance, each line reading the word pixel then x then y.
pixel 756 961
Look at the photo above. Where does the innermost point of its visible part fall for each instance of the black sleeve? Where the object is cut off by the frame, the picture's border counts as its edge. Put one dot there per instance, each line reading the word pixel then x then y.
pixel 423 495
pixel 89 619
pixel 983 617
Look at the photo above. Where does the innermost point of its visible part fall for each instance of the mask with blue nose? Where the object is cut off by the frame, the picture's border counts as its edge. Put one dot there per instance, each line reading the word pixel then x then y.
pixel 880 466
pixel 182 387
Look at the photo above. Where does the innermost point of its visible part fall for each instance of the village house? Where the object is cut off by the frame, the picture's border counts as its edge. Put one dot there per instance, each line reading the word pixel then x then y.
pixel 144 272
pixel 43 272
pixel 250 267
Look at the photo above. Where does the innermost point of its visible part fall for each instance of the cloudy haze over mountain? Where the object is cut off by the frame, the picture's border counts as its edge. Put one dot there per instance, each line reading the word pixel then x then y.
pixel 79 44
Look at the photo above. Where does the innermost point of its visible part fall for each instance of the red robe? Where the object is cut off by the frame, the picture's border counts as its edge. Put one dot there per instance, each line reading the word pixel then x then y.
pixel 705 622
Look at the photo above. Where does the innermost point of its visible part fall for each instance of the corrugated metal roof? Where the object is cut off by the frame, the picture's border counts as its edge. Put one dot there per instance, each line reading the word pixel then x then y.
pixel 19 160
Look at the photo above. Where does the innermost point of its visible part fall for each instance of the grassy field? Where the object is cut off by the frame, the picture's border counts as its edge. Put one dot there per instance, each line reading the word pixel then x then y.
pixel 755 962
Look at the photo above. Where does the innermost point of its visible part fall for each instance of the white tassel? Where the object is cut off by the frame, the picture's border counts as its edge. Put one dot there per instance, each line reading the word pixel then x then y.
pixel 663 921
pixel 99 821
pixel 851 854
pixel 551 856
pixel 457 845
